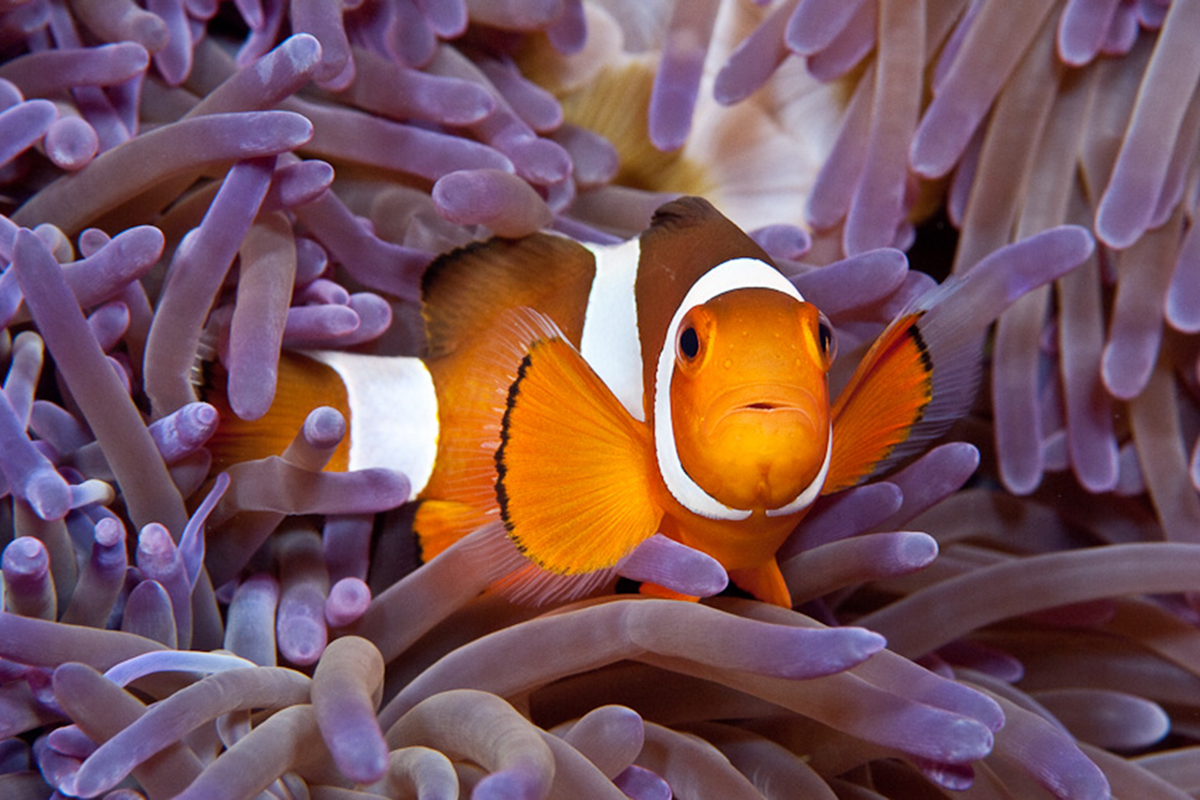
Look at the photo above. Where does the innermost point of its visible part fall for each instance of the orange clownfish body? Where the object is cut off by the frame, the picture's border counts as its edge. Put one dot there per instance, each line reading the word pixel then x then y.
pixel 590 396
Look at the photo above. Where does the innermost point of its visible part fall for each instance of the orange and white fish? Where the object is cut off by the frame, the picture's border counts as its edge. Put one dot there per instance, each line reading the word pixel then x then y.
pixel 590 396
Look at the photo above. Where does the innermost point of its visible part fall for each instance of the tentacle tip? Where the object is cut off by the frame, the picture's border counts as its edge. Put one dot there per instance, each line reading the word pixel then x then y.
pixel 966 740
pixel 917 549
pixel 864 643
pixel 150 32
pixel 956 777
pixel 48 494
pixel 924 158
pixel 667 141
pixel 818 653
pixel 713 583
pixel 1068 55
pixel 25 241
pixel 1078 241
pixel 294 130
pixel 137 53
pixel 1123 378
pixel 91 782
pixel 1018 482
pixel 347 602
pixel 324 427
pixel 302 641
pixel 507 785
pixel 726 89
pixel 365 759
pixel 967 453
pixel 641 783
pixel 1114 225
pixel 676 567
pixel 250 405
pixel 303 51
pixel 203 415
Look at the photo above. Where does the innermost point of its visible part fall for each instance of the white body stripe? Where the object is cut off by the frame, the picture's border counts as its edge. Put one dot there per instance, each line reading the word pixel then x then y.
pixel 610 342
pixel 393 410
pixel 738 273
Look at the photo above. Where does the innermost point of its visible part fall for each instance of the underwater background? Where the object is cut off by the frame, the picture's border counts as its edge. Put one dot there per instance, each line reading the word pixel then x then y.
pixel 184 180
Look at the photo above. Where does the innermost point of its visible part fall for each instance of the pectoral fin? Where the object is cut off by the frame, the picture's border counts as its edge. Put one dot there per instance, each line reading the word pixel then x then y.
pixel 884 405
pixel 923 372
pixel 573 466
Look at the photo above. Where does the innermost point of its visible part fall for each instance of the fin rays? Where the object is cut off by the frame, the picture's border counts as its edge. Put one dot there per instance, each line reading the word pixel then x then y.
pixel 573 465
pixel 886 399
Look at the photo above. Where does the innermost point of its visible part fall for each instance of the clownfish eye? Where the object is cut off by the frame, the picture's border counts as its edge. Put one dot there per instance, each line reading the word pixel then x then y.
pixel 825 338
pixel 688 346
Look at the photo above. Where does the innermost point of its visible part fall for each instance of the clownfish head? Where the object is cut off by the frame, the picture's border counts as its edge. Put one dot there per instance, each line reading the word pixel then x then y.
pixel 749 400
pixel 749 411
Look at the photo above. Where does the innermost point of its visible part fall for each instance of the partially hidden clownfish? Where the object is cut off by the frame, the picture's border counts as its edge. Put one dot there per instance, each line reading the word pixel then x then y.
pixel 587 397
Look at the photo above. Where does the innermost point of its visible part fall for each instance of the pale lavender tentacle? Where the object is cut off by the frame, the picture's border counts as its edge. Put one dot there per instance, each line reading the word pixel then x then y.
pixel 677 567
pixel 197 270
pixel 677 81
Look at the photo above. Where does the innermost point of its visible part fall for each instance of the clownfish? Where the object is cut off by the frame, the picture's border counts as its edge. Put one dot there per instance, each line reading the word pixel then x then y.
pixel 589 396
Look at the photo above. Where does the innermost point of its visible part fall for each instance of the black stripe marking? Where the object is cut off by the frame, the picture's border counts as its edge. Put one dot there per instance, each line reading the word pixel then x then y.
pixel 926 359
pixel 927 362
pixel 501 493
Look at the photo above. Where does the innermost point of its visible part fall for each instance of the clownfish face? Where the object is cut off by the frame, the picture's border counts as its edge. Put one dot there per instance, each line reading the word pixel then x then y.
pixel 750 398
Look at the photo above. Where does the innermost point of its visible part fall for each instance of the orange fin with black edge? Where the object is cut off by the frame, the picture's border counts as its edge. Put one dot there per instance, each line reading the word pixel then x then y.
pixel 923 372
pixel 574 468
pixel 473 386
pixel 883 403
pixel 916 380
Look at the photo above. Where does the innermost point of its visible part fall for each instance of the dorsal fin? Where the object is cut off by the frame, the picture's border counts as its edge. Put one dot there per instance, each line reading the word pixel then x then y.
pixel 696 217
pixel 687 211
pixel 465 290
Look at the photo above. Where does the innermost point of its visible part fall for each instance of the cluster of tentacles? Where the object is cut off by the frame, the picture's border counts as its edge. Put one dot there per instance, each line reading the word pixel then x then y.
pixel 191 180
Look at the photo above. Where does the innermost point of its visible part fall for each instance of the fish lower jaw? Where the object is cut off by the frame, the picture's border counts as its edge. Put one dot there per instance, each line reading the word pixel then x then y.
pixel 760 485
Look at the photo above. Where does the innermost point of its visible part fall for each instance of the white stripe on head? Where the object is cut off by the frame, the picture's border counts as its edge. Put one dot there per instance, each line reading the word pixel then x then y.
pixel 738 273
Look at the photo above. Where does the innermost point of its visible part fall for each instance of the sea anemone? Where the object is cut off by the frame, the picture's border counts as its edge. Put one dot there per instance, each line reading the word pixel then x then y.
pixel 192 182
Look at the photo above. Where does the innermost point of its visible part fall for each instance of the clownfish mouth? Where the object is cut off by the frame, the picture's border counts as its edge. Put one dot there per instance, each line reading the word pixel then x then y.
pixel 771 417
pixel 767 401
pixel 769 451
